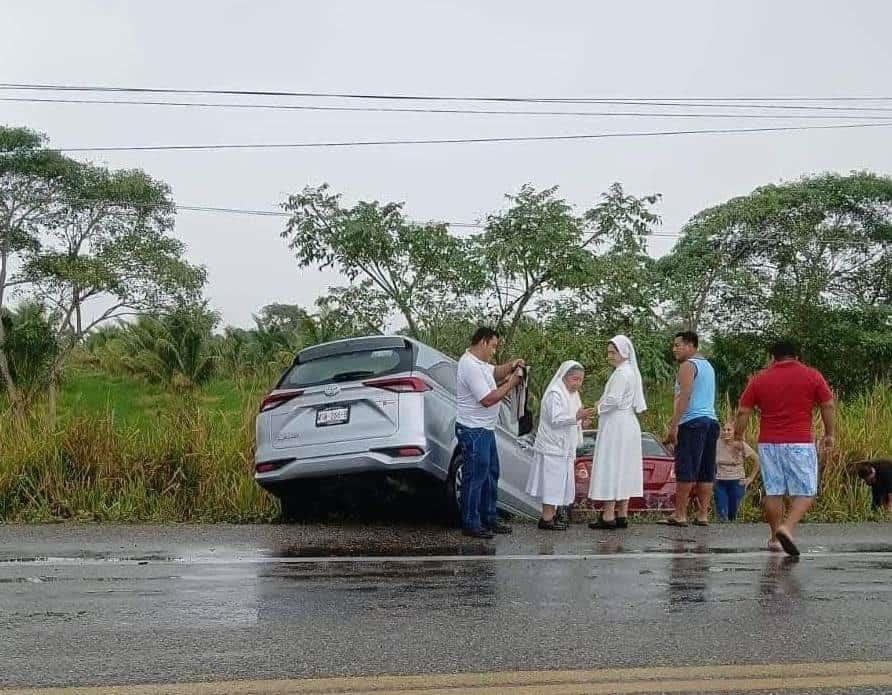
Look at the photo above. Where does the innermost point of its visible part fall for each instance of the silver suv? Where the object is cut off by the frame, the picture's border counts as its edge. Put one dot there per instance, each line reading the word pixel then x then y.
pixel 376 404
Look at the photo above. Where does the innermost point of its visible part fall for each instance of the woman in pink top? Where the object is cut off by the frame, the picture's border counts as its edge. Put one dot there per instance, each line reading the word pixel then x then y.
pixel 731 480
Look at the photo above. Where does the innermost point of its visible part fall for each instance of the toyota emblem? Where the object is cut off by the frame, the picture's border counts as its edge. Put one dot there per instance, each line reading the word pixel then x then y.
pixel 332 390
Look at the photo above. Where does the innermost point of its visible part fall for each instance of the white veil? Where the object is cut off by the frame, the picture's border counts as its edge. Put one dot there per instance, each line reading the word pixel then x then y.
pixel 571 400
pixel 627 350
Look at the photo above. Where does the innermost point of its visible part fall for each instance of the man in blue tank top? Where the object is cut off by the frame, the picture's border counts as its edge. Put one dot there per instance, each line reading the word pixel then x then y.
pixel 694 429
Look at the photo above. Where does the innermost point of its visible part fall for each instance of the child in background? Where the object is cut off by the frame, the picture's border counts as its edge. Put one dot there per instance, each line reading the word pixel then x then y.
pixel 731 480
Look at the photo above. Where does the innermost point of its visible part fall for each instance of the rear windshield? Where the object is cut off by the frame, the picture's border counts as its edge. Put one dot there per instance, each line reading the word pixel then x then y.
pixel 351 366
pixel 650 447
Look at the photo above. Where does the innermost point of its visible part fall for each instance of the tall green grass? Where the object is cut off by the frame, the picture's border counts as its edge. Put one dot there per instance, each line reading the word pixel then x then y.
pixel 126 454
pixel 124 451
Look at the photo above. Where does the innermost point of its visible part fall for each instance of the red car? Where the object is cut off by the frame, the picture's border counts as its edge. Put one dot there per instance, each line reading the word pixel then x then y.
pixel 659 475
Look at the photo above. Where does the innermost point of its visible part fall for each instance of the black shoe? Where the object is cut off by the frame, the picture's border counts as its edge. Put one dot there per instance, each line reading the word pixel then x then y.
pixel 501 529
pixel 476 533
pixel 603 525
pixel 622 522
pixel 552 525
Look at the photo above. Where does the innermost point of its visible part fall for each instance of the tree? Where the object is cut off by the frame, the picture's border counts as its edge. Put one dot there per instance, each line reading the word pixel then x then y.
pixel 281 318
pixel 32 179
pixel 30 344
pixel 773 256
pixel 540 247
pixel 621 295
pixel 83 235
pixel 111 244
pixel 172 348
pixel 409 266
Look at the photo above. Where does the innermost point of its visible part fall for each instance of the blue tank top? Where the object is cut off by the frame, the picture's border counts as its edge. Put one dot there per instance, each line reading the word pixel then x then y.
pixel 702 403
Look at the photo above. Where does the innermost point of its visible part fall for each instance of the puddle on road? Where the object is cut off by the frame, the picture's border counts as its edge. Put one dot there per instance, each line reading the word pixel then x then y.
pixel 676 547
pixel 384 550
pixel 7 559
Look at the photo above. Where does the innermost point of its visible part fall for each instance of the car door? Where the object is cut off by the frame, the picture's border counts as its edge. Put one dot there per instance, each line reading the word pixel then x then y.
pixel 515 460
pixel 439 414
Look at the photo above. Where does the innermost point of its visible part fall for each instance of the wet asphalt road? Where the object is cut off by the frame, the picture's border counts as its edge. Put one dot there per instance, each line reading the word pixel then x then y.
pixel 85 604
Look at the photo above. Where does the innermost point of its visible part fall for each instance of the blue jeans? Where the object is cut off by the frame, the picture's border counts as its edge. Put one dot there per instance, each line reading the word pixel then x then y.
pixel 480 477
pixel 728 496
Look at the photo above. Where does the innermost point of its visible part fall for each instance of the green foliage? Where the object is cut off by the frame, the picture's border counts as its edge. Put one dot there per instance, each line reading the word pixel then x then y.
pixel 736 357
pixel 774 256
pixel 113 241
pixel 31 344
pixel 539 252
pixel 410 267
pixel 172 348
pixel 74 234
pixel 125 451
pixel 852 348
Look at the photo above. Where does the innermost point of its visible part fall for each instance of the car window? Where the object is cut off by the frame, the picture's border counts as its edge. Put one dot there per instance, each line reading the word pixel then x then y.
pixel 506 417
pixel 351 366
pixel 650 447
pixel 445 374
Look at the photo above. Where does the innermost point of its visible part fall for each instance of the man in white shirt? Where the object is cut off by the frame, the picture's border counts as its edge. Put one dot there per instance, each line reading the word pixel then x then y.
pixel 481 388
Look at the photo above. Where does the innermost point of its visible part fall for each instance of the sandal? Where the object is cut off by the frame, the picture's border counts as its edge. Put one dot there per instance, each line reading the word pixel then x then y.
pixel 552 525
pixel 697 522
pixel 787 543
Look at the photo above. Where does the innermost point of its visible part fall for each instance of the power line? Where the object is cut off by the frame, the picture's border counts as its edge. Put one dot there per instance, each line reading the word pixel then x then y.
pixel 454 141
pixel 744 102
pixel 450 223
pixel 385 109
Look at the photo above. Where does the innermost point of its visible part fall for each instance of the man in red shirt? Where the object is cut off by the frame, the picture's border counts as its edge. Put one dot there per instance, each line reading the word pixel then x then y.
pixel 786 394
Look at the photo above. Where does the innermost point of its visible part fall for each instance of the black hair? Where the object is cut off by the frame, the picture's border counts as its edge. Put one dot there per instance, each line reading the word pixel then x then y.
pixel 864 469
pixel 784 348
pixel 689 337
pixel 483 335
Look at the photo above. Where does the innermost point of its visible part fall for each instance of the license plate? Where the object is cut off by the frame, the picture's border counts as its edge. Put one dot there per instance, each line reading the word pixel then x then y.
pixel 332 416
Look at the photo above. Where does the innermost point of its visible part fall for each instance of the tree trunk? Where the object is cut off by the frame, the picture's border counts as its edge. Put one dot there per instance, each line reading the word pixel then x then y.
pixel 410 320
pixel 78 329
pixel 12 391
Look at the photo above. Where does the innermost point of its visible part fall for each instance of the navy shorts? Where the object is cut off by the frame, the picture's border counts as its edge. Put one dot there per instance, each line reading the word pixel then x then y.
pixel 695 450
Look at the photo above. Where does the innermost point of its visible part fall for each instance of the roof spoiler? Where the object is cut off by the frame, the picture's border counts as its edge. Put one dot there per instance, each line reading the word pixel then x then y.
pixel 344 347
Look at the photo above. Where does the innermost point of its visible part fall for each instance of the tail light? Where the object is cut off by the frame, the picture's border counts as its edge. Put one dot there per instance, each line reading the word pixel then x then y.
pixel 582 471
pixel 401 452
pixel 268 466
pixel 409 384
pixel 277 398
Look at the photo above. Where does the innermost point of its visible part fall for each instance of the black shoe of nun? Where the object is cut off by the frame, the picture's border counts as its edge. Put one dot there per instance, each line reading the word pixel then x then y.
pixel 552 525
pixel 603 525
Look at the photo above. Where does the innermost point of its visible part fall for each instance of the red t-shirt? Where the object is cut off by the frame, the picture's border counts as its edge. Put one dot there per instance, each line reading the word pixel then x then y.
pixel 786 394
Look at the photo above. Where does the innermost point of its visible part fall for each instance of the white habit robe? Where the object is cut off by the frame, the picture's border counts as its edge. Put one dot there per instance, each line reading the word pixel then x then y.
pixel 617 469
pixel 552 476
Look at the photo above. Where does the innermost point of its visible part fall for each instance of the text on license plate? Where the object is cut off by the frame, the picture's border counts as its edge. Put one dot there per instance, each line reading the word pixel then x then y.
pixel 332 416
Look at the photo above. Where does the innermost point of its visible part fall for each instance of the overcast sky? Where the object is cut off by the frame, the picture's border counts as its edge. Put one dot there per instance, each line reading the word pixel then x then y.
pixel 511 48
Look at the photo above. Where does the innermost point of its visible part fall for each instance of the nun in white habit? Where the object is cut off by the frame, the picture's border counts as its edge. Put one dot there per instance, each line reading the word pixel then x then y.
pixel 561 415
pixel 617 473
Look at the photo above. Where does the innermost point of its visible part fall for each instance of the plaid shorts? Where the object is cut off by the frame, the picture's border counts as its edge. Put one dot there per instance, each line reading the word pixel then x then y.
pixel 789 469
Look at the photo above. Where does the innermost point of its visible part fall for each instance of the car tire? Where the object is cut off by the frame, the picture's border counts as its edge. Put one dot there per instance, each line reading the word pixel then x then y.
pixel 453 488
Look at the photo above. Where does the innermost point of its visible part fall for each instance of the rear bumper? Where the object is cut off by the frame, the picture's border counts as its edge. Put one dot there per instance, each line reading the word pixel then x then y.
pixel 344 464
